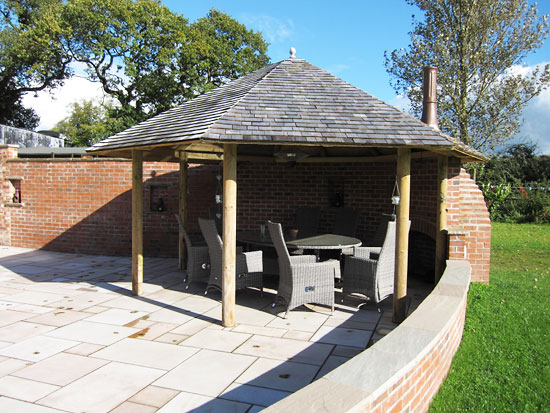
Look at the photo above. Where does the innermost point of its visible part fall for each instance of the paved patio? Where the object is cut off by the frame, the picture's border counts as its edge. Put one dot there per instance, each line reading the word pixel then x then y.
pixel 74 339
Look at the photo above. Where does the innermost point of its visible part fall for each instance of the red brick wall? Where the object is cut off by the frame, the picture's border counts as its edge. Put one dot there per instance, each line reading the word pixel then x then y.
pixel 274 191
pixel 468 222
pixel 84 205
pixel 415 391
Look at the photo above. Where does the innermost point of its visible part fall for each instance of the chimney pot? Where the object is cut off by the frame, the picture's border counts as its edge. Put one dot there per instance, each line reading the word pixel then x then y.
pixel 429 103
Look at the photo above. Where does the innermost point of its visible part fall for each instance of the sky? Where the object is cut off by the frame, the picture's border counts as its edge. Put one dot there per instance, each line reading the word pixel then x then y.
pixel 347 38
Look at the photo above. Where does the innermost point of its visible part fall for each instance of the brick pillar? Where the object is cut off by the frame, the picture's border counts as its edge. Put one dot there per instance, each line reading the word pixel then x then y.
pixel 468 223
pixel 6 192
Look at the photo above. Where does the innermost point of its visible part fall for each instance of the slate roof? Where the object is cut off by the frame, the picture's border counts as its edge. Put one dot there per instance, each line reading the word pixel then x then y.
pixel 289 102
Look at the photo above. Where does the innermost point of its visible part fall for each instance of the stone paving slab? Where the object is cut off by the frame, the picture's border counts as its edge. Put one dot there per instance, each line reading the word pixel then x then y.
pixel 103 389
pixel 207 372
pixel 60 369
pixel 73 338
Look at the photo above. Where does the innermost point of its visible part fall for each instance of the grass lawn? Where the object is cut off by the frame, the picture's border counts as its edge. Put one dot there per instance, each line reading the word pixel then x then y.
pixel 503 363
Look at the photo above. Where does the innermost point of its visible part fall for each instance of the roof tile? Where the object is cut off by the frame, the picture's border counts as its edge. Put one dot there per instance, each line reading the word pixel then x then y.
pixel 289 101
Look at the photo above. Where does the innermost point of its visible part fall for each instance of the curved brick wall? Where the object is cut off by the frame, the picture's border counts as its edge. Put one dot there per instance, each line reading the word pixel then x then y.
pixel 468 222
pixel 404 370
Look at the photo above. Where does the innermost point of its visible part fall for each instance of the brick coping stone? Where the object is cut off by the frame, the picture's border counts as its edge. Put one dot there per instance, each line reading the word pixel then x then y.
pixel 403 370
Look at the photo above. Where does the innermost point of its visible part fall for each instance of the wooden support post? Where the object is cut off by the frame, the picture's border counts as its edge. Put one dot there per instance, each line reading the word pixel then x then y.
pixel 137 222
pixel 402 236
pixel 229 234
pixel 441 225
pixel 182 210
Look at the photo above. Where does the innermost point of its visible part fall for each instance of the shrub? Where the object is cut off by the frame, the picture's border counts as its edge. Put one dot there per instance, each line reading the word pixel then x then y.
pixel 523 206
pixel 495 195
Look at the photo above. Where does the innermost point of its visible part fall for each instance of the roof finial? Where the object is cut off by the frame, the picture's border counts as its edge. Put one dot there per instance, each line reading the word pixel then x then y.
pixel 292 52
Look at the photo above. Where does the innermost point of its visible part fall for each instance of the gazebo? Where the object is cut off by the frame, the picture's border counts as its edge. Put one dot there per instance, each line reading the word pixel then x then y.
pixel 290 111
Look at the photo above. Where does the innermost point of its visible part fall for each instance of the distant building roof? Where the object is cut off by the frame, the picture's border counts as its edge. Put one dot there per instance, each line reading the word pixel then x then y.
pixel 291 102
pixel 28 139
pixel 44 152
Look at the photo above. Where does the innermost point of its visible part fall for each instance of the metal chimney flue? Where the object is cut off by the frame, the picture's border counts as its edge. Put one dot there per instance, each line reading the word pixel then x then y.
pixel 429 103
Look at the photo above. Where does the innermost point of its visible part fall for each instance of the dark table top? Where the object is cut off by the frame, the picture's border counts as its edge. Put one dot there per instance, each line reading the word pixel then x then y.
pixel 316 242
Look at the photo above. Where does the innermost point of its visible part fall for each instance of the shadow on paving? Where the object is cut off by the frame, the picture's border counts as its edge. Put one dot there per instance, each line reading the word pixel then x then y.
pixel 274 373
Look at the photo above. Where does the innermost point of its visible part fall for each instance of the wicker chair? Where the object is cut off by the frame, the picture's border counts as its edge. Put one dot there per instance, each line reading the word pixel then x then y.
pixel 346 222
pixel 215 213
pixel 302 280
pixel 249 268
pixel 307 221
pixel 376 239
pixel 198 260
pixel 371 270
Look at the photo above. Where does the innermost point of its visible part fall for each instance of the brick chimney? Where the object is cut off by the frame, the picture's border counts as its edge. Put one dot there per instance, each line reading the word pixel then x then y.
pixel 429 103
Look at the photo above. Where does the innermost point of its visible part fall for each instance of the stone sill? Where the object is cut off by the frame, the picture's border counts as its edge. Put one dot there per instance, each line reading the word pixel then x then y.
pixel 456 231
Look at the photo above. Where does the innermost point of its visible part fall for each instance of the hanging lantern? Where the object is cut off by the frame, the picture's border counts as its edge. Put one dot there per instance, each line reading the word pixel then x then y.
pixel 395 196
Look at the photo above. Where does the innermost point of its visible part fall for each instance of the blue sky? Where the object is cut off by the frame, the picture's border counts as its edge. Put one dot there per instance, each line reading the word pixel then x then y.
pixel 347 38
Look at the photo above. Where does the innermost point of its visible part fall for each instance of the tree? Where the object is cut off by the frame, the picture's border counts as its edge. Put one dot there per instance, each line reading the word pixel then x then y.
pixel 31 57
pixel 517 164
pixel 86 124
pixel 219 49
pixel 150 59
pixel 478 47
pixel 516 184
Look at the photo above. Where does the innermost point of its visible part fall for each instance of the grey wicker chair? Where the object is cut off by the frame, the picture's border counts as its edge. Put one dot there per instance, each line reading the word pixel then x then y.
pixel 307 221
pixel 371 270
pixel 198 260
pixel 377 238
pixel 249 268
pixel 302 280
pixel 346 222
pixel 215 213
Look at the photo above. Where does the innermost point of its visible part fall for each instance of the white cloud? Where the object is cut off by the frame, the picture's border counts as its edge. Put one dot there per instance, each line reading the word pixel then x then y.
pixel 535 127
pixel 536 123
pixel 401 102
pixel 274 30
pixel 53 106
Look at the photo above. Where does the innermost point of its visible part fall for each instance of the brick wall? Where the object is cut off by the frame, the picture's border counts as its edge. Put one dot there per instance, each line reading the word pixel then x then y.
pixel 468 222
pixel 84 205
pixel 415 390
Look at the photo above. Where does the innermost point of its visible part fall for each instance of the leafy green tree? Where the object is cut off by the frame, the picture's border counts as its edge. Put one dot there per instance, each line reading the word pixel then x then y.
pixel 150 59
pixel 516 184
pixel 129 48
pixel 86 124
pixel 31 57
pixel 477 46
pixel 218 49
pixel 518 164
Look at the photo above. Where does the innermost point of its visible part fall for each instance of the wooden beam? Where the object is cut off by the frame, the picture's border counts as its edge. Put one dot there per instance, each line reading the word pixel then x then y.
pixel 339 159
pixel 204 147
pixel 204 156
pixel 182 209
pixel 402 236
pixel 137 222
pixel 441 226
pixel 229 234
